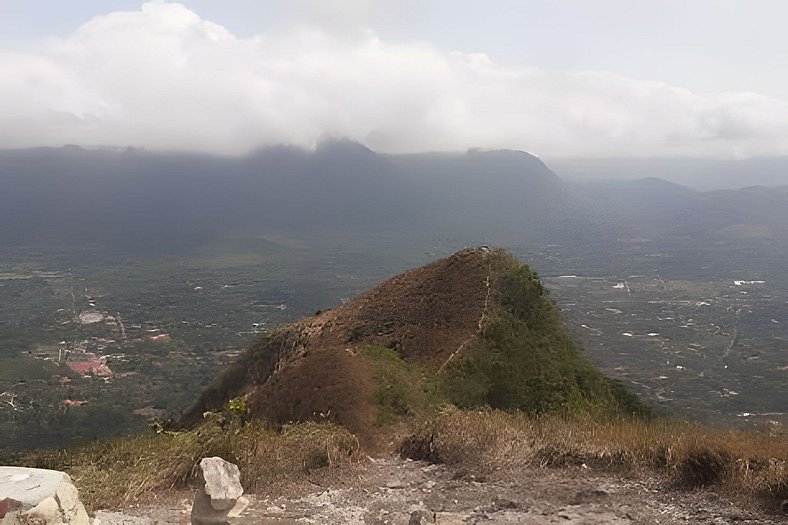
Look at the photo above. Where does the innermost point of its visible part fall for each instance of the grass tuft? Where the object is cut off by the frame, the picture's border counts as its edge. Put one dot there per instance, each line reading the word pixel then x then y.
pixel 402 390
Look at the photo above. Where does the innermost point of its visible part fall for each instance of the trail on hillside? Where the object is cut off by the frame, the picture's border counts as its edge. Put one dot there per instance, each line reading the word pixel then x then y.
pixel 480 325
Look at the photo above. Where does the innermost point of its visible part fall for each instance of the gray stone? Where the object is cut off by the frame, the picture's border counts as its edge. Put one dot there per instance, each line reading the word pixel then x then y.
pixel 31 496
pixel 219 491
pixel 451 518
pixel 421 517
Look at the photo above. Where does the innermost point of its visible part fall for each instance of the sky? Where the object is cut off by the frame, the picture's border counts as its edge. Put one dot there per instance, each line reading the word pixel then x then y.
pixel 558 78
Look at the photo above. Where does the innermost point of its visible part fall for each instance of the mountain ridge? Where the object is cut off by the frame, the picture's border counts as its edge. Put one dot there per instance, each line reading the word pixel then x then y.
pixel 125 200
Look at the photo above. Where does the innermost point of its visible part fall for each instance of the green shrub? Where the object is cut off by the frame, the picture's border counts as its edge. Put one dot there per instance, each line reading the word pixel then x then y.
pixel 237 405
pixel 401 389
pixel 524 359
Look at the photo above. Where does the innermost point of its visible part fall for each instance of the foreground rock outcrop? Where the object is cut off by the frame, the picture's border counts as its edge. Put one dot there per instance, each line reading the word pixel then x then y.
pixel 218 492
pixel 31 496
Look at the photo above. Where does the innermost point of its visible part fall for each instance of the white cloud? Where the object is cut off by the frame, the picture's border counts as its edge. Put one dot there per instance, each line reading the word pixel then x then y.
pixel 164 78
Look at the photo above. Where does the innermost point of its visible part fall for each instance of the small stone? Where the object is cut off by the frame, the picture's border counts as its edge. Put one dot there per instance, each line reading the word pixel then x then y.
pixel 421 517
pixel 450 518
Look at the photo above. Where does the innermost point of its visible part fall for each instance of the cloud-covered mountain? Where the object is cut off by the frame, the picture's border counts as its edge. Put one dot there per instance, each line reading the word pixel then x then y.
pixel 132 200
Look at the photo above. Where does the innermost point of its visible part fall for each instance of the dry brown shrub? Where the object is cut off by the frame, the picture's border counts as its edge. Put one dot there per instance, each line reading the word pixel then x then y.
pixel 748 464
pixel 114 473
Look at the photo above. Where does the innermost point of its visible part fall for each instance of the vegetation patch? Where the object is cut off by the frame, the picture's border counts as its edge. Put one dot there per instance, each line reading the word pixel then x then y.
pixel 116 472
pixel 525 360
pixel 402 389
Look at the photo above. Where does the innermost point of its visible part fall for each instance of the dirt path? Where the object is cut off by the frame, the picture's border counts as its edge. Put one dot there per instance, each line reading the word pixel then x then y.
pixel 480 324
pixel 395 491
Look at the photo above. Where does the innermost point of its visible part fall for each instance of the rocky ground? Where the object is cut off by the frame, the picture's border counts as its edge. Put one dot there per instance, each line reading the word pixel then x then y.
pixel 396 491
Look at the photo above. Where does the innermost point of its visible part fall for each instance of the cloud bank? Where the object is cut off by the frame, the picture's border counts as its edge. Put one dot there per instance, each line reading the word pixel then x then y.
pixel 164 78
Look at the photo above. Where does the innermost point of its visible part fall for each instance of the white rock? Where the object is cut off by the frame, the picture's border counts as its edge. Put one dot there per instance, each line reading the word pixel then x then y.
pixel 40 497
pixel 220 488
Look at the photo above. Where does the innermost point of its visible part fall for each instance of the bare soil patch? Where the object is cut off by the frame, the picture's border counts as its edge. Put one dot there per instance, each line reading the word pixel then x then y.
pixel 396 491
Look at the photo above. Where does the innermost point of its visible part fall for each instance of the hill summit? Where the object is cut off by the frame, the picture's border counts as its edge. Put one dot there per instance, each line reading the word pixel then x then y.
pixel 474 329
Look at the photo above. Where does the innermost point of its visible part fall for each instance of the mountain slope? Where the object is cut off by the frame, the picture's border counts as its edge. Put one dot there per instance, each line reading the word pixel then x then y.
pixel 474 329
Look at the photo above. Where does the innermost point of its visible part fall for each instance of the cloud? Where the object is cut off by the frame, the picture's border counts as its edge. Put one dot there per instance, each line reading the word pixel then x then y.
pixel 164 78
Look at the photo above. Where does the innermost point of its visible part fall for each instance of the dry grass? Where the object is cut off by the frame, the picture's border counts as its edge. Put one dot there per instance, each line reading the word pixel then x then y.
pixel 748 464
pixel 117 472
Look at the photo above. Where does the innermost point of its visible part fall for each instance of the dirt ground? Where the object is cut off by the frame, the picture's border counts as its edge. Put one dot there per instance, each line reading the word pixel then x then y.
pixel 399 491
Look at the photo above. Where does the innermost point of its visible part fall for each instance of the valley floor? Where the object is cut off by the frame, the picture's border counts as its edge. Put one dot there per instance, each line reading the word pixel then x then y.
pixel 396 491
